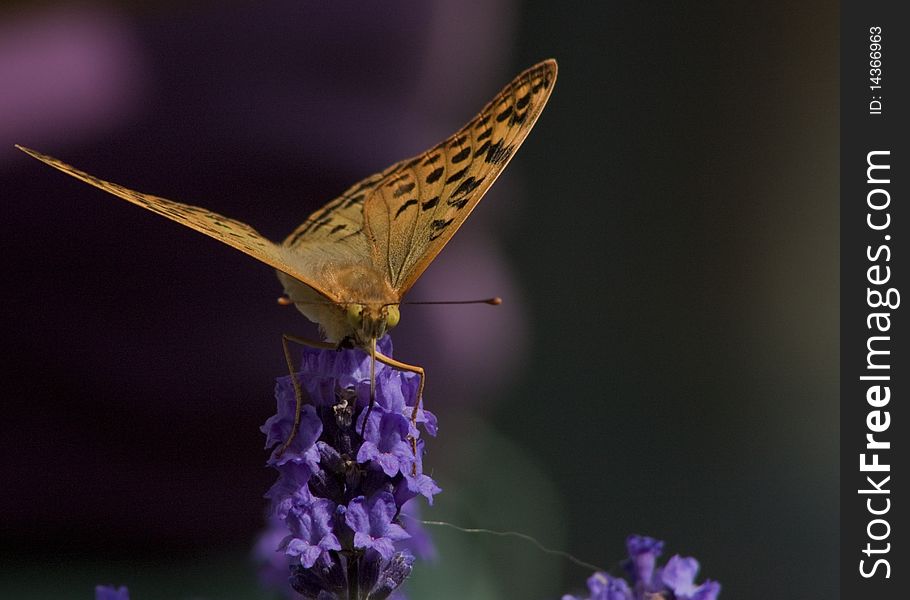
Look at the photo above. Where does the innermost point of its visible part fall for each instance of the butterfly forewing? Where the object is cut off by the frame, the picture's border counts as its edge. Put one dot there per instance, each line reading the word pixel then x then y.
pixel 233 233
pixel 419 203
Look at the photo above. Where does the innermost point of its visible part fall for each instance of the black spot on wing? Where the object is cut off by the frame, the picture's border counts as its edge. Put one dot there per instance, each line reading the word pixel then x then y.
pixel 465 152
pixel 338 228
pixel 485 134
pixel 438 226
pixel 467 186
pixel 504 114
pixel 435 175
pixel 518 118
pixel 455 177
pixel 405 206
pixel 403 189
pixel 523 101
pixel 459 203
pixel 498 153
pixel 431 203
pixel 431 159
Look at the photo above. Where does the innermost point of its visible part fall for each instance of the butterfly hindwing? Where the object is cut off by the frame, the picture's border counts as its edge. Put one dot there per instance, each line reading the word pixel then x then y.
pixel 339 220
pixel 419 203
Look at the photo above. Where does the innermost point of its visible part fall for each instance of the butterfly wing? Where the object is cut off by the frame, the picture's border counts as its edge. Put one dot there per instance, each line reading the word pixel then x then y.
pixel 415 207
pixel 339 221
pixel 233 233
pixel 335 232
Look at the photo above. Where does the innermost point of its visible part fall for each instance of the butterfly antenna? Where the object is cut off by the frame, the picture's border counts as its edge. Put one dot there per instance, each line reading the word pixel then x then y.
pixel 372 385
pixel 494 301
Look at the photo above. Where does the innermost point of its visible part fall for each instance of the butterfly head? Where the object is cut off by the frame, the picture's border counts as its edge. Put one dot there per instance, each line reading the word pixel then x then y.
pixel 372 321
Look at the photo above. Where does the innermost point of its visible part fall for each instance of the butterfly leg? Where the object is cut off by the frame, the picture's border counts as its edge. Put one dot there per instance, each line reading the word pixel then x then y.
pixel 298 391
pixel 397 364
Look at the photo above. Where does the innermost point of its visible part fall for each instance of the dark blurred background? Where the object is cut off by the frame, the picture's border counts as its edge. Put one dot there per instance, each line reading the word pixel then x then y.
pixel 666 243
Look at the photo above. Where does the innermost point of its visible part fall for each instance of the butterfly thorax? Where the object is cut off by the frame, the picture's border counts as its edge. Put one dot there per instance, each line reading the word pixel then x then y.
pixel 364 308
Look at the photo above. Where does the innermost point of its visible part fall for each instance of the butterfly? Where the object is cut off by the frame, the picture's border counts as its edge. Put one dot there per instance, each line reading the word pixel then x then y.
pixel 350 263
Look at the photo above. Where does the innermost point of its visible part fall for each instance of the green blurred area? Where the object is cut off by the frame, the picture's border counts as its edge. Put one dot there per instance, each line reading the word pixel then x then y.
pixel 683 267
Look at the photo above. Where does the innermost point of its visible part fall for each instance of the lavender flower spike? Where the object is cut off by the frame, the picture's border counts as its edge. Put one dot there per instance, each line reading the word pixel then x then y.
pixel 673 581
pixel 346 477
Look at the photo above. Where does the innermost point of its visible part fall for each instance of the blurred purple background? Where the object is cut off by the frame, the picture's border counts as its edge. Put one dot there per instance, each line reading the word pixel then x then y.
pixel 666 244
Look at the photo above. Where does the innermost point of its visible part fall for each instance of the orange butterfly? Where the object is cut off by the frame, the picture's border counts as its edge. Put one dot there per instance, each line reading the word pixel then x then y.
pixel 348 266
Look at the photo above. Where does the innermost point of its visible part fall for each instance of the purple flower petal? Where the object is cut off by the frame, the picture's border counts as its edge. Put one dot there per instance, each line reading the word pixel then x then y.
pixel 389 446
pixel 604 587
pixel 643 553
pixel 679 575
pixel 371 521
pixel 109 592
pixel 422 485
pixel 311 532
pixel 278 429
pixel 709 590
pixel 291 488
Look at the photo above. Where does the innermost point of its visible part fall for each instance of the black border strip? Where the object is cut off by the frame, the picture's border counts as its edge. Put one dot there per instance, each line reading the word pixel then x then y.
pixel 875 370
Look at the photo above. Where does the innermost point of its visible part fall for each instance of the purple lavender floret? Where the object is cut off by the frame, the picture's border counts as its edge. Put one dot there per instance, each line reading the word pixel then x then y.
pixel 311 532
pixel 109 592
pixel 371 521
pixel 389 447
pixel 674 581
pixel 346 476
pixel 643 553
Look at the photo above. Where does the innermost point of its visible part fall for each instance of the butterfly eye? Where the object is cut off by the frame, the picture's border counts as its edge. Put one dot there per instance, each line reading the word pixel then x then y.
pixel 392 316
pixel 355 314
